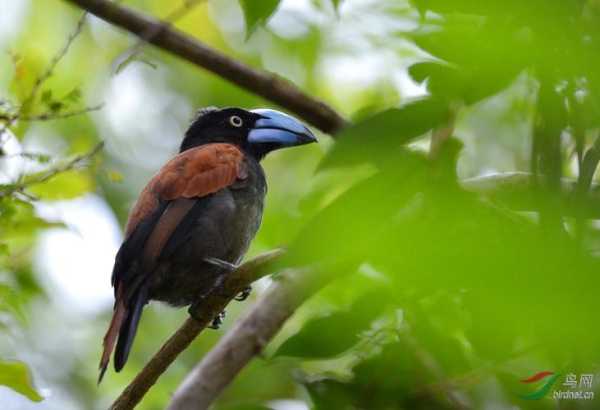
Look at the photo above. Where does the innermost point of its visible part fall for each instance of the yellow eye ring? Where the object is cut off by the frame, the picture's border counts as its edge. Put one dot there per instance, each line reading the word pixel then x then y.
pixel 235 121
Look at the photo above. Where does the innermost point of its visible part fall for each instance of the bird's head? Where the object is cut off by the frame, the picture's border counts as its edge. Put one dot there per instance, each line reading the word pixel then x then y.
pixel 257 132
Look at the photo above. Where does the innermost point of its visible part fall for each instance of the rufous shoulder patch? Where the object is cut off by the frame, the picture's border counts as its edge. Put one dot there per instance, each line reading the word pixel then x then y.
pixel 194 173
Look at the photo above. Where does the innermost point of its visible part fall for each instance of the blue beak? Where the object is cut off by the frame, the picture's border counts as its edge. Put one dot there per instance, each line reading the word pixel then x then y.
pixel 278 128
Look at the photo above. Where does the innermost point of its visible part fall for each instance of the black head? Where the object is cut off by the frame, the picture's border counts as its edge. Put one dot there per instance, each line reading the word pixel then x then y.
pixel 257 132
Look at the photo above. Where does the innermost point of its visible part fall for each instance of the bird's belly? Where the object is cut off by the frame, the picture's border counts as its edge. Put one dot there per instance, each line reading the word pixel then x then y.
pixel 224 231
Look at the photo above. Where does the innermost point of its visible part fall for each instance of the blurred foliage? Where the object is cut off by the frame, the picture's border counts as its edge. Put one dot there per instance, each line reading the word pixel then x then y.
pixel 256 14
pixel 440 298
pixel 15 375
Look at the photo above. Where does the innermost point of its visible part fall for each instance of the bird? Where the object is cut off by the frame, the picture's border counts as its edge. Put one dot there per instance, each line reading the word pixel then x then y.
pixel 195 219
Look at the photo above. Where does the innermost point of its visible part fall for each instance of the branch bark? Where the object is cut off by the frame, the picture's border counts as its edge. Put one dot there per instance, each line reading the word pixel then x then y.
pixel 189 330
pixel 267 85
pixel 246 339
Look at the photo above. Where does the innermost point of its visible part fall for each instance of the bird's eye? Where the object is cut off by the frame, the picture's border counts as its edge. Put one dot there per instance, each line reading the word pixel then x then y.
pixel 235 121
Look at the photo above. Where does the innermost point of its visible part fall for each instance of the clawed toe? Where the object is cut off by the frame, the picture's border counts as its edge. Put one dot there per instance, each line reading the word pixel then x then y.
pixel 217 321
pixel 228 266
pixel 243 295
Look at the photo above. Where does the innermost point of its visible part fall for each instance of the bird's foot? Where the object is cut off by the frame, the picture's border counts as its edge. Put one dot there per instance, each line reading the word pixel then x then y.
pixel 243 295
pixel 228 266
pixel 217 321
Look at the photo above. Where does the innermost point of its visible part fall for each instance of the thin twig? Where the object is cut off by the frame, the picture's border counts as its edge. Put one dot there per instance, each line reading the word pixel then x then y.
pixel 262 83
pixel 54 62
pixel 191 328
pixel 41 79
pixel 50 116
pixel 171 18
pixel 41 177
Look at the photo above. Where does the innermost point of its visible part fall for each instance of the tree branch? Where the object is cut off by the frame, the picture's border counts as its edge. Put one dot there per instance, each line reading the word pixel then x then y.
pixel 189 330
pixel 519 191
pixel 267 85
pixel 246 339
pixel 171 18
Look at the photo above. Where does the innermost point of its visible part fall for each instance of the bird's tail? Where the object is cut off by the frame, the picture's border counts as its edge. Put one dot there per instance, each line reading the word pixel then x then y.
pixel 122 329
pixel 129 327
pixel 119 315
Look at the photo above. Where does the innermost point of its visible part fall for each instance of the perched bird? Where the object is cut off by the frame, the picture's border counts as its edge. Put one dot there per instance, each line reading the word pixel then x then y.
pixel 194 221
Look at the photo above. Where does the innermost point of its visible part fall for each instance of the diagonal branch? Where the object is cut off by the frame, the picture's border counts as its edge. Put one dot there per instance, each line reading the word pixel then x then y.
pixel 267 85
pixel 246 339
pixel 191 328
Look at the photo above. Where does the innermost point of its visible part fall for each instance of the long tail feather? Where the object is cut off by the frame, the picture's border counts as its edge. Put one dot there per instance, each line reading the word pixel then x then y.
pixel 110 338
pixel 129 327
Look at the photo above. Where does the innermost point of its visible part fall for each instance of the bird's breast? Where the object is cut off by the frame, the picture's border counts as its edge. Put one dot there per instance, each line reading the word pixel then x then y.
pixel 222 226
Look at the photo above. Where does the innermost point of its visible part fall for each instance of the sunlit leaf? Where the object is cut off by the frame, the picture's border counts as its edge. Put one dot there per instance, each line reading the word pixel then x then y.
pixel 257 13
pixel 337 3
pixel 74 95
pixel 377 139
pixel 15 375
pixel 115 176
pixel 66 185
pixel 10 301
pixel 46 97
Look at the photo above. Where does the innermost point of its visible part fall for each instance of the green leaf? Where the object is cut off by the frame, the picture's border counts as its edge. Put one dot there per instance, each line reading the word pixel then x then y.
pixel 56 106
pixel 66 185
pixel 15 376
pixel 378 138
pixel 336 4
pixel 334 334
pixel 18 221
pixel 74 95
pixel 11 301
pixel 257 13
pixel 114 176
pixel 47 97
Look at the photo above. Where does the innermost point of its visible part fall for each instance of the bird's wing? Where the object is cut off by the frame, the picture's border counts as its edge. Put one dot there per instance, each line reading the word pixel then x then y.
pixel 193 173
pixel 161 207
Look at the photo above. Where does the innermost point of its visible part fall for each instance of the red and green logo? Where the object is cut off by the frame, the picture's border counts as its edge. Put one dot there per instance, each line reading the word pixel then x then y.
pixel 544 380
